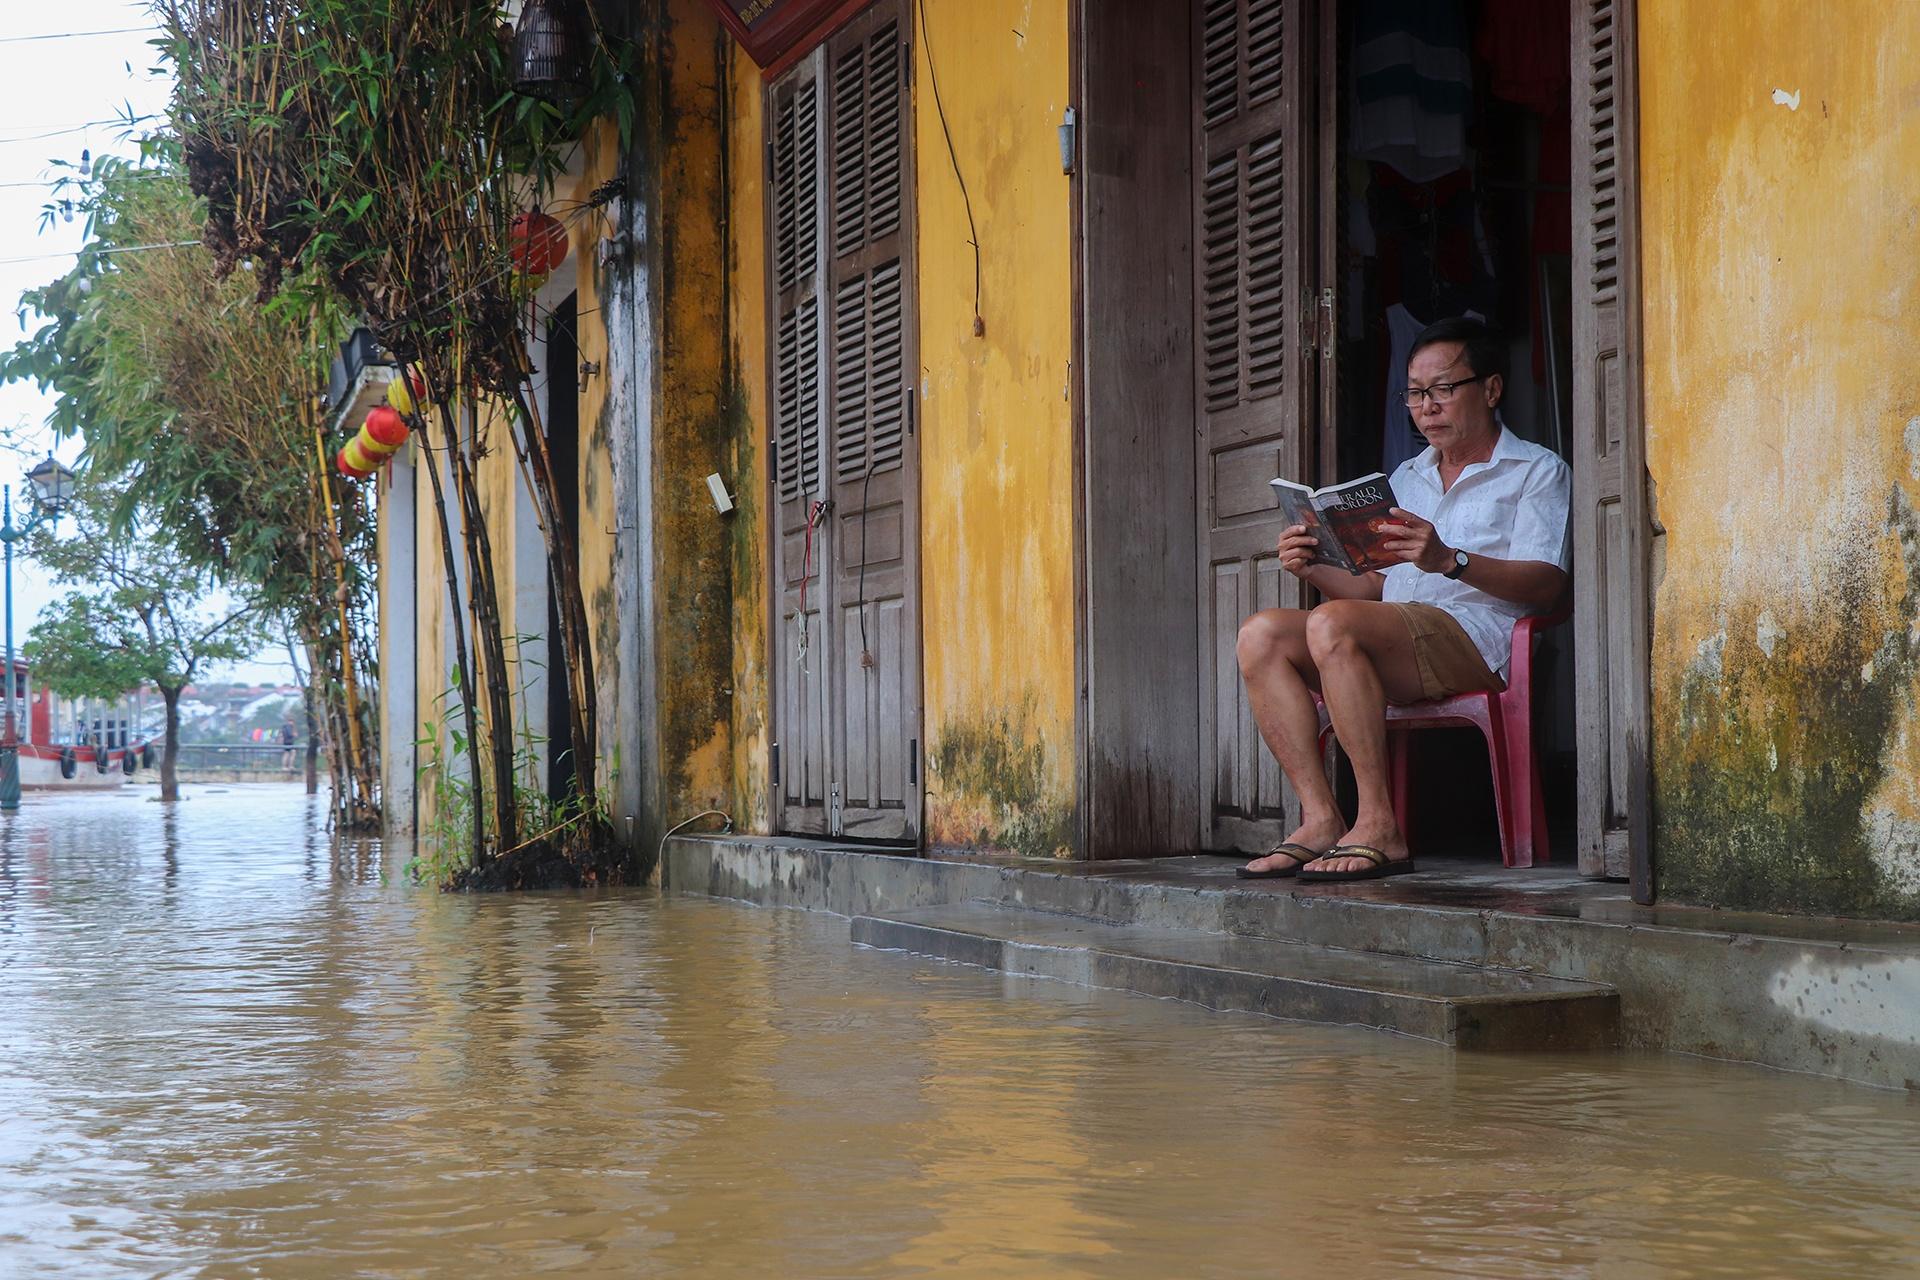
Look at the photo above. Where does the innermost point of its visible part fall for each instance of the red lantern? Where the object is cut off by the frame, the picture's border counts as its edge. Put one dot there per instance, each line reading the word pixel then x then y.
pixel 386 427
pixel 347 469
pixel 539 243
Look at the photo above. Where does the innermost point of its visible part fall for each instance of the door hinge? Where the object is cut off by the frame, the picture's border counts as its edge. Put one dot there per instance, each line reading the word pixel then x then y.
pixel 1069 140
pixel 835 824
pixel 910 398
pixel 776 764
pixel 913 762
pixel 1326 323
pixel 906 64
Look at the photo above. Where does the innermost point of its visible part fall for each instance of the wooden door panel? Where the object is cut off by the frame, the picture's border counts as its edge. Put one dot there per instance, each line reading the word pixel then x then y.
pixel 798 470
pixel 1611 526
pixel 1250 261
pixel 874 698
pixel 803 782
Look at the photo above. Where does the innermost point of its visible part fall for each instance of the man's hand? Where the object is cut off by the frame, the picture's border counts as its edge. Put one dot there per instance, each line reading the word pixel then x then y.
pixel 1297 549
pixel 1418 543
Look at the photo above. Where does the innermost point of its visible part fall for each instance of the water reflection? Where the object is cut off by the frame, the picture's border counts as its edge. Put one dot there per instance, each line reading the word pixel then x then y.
pixel 234 1047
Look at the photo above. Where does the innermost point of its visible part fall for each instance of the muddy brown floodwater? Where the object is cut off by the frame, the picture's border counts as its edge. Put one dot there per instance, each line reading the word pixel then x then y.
pixel 229 1048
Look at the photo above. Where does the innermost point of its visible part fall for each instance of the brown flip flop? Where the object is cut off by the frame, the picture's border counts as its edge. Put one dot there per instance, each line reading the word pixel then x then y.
pixel 1381 866
pixel 1300 854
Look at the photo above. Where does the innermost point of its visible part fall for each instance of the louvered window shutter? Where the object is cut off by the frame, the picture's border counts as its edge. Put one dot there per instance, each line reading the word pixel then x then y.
pixel 796 259
pixel 868 333
pixel 1242 283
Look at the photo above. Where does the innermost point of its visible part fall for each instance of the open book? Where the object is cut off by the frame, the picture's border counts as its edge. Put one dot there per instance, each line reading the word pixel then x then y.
pixel 1350 520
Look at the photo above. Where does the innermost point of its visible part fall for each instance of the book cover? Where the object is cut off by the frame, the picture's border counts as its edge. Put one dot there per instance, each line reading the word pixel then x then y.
pixel 1349 520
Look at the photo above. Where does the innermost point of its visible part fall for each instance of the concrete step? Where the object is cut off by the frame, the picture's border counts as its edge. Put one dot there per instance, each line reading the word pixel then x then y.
pixel 1465 1006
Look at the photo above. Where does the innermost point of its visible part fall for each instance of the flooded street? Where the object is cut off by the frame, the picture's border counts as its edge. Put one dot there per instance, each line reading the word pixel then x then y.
pixel 229 1049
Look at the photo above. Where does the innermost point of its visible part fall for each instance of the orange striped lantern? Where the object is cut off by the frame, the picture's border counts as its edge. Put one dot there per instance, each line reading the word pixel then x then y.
pixel 379 438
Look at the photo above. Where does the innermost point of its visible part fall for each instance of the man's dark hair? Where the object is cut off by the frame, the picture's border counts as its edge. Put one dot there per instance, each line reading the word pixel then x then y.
pixel 1484 348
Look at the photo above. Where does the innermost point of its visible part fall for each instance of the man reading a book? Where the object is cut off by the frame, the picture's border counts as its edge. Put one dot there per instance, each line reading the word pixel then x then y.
pixel 1478 534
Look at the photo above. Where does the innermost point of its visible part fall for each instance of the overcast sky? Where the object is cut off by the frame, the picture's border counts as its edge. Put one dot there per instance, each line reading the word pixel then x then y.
pixel 72 87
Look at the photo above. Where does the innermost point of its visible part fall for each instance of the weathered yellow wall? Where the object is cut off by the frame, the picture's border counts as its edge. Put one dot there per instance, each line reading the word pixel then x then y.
pixel 746 411
pixel 996 439
pixel 1783 422
pixel 599 161
pixel 435 707
pixel 689 440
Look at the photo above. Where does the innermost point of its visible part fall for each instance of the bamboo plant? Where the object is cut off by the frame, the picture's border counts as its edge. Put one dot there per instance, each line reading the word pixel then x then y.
pixel 383 144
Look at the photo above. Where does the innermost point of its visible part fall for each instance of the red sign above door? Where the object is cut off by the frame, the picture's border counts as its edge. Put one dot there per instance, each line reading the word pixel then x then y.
pixel 776 32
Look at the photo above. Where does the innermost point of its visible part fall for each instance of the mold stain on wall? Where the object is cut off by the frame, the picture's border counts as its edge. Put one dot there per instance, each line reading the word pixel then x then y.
pixel 990 785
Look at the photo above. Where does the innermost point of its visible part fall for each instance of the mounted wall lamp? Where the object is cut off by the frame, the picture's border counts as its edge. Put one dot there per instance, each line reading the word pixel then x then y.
pixel 611 249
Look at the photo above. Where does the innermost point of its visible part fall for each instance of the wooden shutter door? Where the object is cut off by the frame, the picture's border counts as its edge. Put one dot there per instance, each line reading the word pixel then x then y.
pixel 796 199
pixel 1250 268
pixel 875 676
pixel 1612 534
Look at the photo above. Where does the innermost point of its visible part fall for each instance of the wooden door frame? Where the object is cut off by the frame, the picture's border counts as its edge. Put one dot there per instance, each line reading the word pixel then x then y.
pixel 1135 599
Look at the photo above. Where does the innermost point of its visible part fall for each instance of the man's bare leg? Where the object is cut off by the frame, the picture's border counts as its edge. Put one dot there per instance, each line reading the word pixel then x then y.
pixel 1280 678
pixel 1365 656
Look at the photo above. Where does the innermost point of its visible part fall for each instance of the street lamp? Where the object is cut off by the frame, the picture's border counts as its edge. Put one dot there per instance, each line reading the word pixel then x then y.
pixel 52 488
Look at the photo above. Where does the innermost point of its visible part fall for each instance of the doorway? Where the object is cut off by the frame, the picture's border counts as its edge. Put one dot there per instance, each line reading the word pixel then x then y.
pixel 844 468
pixel 1350 170
pixel 1448 192
pixel 563 448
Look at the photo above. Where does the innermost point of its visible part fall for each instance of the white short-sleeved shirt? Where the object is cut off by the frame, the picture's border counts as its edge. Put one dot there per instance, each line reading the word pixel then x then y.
pixel 1513 506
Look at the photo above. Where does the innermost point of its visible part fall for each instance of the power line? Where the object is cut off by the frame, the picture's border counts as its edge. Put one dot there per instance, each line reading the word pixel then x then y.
pixel 125 248
pixel 77 35
pixel 125 121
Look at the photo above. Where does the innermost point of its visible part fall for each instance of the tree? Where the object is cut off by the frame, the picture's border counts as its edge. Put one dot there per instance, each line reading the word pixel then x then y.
pixel 197 410
pixel 139 614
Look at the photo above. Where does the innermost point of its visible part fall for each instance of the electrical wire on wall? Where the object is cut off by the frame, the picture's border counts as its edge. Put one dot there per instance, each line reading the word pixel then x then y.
pixel 973 233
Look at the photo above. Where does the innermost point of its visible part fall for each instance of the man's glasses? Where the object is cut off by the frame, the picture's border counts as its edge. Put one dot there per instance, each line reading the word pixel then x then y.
pixel 1441 392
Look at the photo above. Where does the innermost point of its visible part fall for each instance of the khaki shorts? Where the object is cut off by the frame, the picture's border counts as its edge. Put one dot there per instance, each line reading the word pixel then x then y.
pixel 1449 663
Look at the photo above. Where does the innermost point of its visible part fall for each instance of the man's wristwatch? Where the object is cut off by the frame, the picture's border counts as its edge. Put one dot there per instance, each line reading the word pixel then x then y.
pixel 1459 565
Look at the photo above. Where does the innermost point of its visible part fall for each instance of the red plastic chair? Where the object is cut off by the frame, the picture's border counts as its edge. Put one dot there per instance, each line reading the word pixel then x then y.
pixel 1505 720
